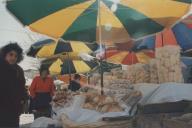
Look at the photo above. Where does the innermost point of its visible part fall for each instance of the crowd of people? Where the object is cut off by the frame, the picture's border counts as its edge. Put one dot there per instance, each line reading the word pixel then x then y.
pixel 13 93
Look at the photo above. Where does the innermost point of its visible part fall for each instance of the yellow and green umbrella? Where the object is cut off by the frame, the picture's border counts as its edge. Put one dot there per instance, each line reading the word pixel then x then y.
pixel 61 67
pixel 98 20
pixel 49 47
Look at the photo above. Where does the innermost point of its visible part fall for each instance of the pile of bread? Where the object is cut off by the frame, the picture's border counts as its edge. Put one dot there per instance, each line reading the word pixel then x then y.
pixel 138 73
pixel 101 103
pixel 132 98
pixel 62 98
pixel 118 88
pixel 168 64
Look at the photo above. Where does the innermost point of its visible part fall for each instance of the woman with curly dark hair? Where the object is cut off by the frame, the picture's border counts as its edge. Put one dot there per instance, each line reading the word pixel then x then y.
pixel 12 85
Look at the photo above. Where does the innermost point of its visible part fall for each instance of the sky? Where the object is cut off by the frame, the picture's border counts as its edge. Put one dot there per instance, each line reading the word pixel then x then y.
pixel 12 30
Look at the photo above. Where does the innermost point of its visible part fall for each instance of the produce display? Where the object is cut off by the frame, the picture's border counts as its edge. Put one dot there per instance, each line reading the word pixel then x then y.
pixel 168 64
pixel 132 98
pixel 101 103
pixel 138 73
pixel 118 88
pixel 63 98
pixel 153 71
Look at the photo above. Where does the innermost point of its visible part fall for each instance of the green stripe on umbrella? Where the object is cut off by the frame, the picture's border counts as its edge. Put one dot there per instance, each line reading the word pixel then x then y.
pixel 61 67
pixel 80 19
pixel 80 31
pixel 49 47
pixel 130 16
pixel 29 11
pixel 186 1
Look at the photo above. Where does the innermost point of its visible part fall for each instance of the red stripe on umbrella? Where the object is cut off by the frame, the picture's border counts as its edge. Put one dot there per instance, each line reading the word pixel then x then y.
pixel 189 26
pixel 131 58
pixel 111 53
pixel 150 54
pixel 165 38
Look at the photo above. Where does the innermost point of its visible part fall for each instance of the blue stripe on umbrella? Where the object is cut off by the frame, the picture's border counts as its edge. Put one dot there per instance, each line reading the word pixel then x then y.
pixel 183 35
pixel 43 42
pixel 147 43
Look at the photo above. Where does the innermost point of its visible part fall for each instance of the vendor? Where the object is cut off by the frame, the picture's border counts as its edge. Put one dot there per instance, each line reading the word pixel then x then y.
pixel 75 83
pixel 41 91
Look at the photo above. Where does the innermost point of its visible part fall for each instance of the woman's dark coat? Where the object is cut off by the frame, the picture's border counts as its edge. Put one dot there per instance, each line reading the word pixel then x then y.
pixel 12 92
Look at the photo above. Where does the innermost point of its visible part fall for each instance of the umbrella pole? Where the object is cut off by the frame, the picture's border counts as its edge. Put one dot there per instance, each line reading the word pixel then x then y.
pixel 101 71
pixel 69 69
pixel 100 39
pixel 88 78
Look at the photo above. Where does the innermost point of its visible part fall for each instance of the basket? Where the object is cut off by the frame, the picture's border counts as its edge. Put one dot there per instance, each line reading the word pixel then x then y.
pixel 161 120
pixel 169 123
pixel 126 123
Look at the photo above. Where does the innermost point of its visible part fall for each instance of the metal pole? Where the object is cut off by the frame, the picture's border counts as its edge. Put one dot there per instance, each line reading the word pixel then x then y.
pixel 100 42
pixel 99 16
pixel 69 68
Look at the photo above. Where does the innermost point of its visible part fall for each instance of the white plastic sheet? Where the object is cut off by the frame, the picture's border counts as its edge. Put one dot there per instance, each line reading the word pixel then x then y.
pixel 44 122
pixel 78 114
pixel 167 92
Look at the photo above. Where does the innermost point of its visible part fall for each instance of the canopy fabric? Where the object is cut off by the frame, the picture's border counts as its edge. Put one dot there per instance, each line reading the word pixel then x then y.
pixel 80 20
pixel 164 38
pixel 49 47
pixel 180 34
pixel 70 66
pixel 128 58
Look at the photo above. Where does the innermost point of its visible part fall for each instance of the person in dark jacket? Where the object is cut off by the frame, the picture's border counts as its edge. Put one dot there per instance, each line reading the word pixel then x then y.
pixel 42 90
pixel 12 85
pixel 75 83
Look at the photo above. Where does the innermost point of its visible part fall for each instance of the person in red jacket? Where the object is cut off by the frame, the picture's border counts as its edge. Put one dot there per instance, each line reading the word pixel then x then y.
pixel 41 91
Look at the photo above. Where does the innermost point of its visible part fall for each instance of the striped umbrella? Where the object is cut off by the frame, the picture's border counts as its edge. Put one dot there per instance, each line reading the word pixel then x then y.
pixel 69 66
pixel 128 58
pixel 180 34
pixel 49 47
pixel 98 20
